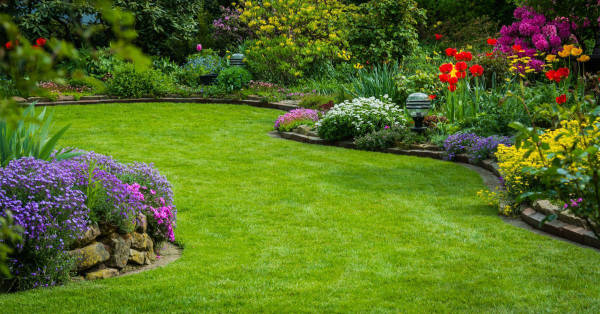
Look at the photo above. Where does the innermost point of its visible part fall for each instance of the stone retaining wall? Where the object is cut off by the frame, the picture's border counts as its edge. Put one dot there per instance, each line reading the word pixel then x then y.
pixel 103 252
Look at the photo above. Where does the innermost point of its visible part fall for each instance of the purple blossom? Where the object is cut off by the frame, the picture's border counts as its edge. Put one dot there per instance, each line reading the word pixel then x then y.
pixel 477 148
pixel 534 32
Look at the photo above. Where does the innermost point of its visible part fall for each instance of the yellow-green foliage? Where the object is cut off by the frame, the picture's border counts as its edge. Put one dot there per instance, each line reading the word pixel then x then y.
pixel 295 37
pixel 514 161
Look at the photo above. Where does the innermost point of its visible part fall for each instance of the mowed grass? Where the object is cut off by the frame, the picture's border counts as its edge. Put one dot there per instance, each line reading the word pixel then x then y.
pixel 270 225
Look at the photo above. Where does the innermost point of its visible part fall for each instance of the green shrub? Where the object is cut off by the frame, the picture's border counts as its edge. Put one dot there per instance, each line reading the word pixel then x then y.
pixel 315 101
pixel 127 81
pixel 234 78
pixel 385 30
pixel 99 63
pixel 197 65
pixel 382 139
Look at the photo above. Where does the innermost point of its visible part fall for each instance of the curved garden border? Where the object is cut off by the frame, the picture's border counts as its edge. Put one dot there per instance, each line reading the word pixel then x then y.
pixel 93 100
pixel 565 226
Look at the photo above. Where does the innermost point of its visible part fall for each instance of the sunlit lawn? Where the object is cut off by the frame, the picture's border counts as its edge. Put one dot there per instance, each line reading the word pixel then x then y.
pixel 280 226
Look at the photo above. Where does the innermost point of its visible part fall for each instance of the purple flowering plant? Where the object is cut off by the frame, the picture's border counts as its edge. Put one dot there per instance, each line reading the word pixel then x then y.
pixel 228 28
pixel 295 118
pixel 534 33
pixel 476 147
pixel 55 201
pixel 43 199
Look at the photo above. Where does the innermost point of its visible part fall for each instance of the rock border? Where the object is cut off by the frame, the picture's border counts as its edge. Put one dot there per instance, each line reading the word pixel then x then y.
pixel 566 226
pixel 285 105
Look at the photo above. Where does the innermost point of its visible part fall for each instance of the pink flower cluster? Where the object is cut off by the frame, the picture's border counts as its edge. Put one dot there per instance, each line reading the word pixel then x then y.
pixel 573 203
pixel 165 218
pixel 533 32
pixel 261 84
pixel 295 118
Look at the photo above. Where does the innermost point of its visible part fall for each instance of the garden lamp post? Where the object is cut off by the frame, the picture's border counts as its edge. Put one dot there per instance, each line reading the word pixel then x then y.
pixel 237 59
pixel 417 105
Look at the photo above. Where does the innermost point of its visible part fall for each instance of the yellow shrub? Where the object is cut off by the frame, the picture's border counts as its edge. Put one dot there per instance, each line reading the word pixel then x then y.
pixel 512 160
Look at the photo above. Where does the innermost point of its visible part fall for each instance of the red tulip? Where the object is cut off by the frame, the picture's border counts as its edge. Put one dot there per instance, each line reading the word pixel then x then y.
pixel 446 68
pixel 476 70
pixel 451 52
pixel 438 36
pixel 444 78
pixel 561 99
pixel 517 48
pixel 453 80
pixel 461 66
pixel 563 72
pixel 8 45
pixel 464 56
pixel 461 75
pixel 492 41
pixel 452 87
pixel 40 42
pixel 432 97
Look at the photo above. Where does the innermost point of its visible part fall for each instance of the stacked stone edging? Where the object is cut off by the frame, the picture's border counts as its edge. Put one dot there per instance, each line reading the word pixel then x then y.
pixel 103 252
pixel 565 225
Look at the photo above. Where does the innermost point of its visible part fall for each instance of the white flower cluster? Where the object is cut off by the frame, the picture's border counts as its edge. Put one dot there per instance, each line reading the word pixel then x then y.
pixel 365 114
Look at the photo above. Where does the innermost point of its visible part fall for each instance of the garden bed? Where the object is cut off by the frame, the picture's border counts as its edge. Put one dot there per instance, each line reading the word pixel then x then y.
pixel 101 99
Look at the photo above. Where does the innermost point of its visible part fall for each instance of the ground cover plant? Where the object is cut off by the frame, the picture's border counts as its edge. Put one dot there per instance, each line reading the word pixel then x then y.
pixel 375 231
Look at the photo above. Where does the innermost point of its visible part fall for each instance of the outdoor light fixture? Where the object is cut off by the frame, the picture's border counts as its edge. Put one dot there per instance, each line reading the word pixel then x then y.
pixel 417 105
pixel 237 59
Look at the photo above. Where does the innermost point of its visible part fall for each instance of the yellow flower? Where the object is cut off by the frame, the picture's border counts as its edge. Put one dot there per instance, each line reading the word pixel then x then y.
pixel 584 58
pixel 551 58
pixel 564 53
pixel 358 66
pixel 576 51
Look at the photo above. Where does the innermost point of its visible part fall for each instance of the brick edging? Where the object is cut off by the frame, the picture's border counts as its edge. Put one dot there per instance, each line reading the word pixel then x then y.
pixel 560 228
pixel 530 216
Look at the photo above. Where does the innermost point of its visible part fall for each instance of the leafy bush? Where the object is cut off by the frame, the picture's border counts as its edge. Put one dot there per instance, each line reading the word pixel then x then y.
pixel 378 81
pixel 127 81
pixel 10 240
pixel 385 30
pixel 229 30
pixel 30 137
pixel 99 64
pixel 294 38
pixel 234 78
pixel 197 65
pixel 359 117
pixel 296 118
pixel 561 165
pixel 316 101
pixel 382 139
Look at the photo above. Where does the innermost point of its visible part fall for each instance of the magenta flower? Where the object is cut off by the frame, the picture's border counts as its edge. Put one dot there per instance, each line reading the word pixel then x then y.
pixel 199 47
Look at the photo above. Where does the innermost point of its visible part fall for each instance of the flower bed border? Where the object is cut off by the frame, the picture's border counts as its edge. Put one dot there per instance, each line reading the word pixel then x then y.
pixel 94 100
pixel 565 226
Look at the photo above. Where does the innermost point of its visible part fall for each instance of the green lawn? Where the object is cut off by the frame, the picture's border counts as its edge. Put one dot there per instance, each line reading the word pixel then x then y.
pixel 279 226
